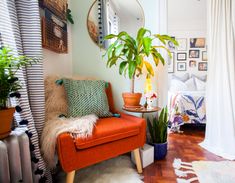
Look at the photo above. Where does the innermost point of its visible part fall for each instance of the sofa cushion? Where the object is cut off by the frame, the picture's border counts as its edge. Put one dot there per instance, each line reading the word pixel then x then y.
pixel 86 97
pixel 55 95
pixel 108 130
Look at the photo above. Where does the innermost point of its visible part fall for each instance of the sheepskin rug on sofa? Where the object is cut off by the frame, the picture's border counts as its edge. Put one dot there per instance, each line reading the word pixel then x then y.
pixel 116 170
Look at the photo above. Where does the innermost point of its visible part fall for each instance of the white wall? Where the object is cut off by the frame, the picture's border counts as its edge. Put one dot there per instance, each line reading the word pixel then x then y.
pixel 59 64
pixel 233 4
pixel 188 19
pixel 87 57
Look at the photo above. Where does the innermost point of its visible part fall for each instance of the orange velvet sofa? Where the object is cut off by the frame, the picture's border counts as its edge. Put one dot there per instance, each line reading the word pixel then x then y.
pixel 111 137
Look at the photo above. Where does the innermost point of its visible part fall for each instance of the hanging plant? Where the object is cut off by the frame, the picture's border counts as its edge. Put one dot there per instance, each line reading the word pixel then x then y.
pixel 9 85
pixel 69 16
pixel 9 65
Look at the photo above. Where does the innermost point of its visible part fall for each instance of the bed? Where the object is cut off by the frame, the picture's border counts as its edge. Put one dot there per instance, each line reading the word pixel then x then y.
pixel 187 106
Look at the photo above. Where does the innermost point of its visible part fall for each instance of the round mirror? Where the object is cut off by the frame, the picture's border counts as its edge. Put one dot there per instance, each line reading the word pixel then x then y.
pixel 113 16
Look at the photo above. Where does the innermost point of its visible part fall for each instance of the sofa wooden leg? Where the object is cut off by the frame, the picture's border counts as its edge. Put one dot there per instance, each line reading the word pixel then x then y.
pixel 70 177
pixel 138 160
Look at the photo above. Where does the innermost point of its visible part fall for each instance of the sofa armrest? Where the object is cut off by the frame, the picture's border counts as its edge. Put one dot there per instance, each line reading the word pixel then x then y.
pixel 129 116
pixel 66 150
pixel 139 120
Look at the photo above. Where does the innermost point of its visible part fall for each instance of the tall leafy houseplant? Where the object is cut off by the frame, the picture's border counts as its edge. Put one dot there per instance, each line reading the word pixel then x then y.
pixel 132 54
pixel 158 132
pixel 9 65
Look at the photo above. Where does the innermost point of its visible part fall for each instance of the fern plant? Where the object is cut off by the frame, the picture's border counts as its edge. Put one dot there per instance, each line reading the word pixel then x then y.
pixel 9 65
pixel 158 127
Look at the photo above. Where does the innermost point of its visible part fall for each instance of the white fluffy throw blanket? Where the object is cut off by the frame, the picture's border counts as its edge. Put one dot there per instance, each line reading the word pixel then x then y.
pixel 78 127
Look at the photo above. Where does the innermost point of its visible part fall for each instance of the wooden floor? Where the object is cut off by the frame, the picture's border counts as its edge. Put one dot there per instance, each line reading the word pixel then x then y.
pixel 184 146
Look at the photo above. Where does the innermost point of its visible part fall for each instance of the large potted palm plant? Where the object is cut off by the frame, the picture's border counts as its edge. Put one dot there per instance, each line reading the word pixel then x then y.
pixel 9 84
pixel 132 54
pixel 158 132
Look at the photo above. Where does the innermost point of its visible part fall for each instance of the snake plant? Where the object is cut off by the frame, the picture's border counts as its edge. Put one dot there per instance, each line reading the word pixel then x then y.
pixel 158 127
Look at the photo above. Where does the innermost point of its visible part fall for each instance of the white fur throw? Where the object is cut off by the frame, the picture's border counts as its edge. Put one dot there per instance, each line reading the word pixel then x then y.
pixel 78 127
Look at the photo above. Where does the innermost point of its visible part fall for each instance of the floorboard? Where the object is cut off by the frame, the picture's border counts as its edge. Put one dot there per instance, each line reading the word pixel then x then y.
pixel 184 146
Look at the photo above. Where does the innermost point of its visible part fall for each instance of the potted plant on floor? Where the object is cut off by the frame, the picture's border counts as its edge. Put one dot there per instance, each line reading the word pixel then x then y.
pixel 9 65
pixel 158 132
pixel 132 53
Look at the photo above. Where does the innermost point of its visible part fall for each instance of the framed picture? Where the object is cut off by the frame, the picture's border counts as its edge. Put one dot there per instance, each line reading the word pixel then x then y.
pixel 204 56
pixel 54 33
pixel 170 45
pixel 197 42
pixel 194 53
pixel 182 44
pixel 202 66
pixel 171 63
pixel 58 7
pixel 192 63
pixel 181 66
pixel 181 56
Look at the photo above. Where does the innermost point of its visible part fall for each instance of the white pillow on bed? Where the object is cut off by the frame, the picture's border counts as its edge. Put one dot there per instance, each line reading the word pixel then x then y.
pixel 202 78
pixel 183 78
pixel 177 85
pixel 201 85
pixel 190 83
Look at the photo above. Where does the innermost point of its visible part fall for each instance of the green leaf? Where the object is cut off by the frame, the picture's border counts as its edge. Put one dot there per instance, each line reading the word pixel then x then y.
pixel 164 38
pixel 122 67
pixel 141 33
pixel 161 58
pixel 155 129
pixel 150 128
pixel 119 49
pixel 147 42
pixel 112 61
pixel 110 36
pixel 131 68
pixel 155 58
pixel 138 60
pixel 166 49
pixel 69 16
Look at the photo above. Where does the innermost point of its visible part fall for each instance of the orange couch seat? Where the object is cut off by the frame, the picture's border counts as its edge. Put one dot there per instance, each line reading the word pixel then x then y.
pixel 109 130
pixel 111 137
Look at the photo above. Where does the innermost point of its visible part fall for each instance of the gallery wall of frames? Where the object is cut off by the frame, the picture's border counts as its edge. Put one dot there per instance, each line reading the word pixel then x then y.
pixel 189 56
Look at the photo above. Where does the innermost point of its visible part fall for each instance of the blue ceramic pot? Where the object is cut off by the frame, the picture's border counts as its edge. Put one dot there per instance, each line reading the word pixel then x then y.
pixel 160 150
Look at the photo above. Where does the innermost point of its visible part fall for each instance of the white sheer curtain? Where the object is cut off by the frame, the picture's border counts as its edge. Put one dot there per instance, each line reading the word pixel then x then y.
pixel 220 129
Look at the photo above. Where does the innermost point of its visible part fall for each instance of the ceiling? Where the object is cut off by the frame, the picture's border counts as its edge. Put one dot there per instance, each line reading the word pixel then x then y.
pixel 128 8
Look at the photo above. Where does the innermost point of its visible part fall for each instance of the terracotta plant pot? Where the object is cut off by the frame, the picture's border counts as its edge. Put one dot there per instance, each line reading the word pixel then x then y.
pixel 131 100
pixel 6 117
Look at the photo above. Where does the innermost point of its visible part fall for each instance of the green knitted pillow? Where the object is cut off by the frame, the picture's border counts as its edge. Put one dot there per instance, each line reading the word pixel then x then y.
pixel 86 97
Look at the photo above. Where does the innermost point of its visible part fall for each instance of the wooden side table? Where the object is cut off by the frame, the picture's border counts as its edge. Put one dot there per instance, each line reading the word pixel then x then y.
pixel 142 110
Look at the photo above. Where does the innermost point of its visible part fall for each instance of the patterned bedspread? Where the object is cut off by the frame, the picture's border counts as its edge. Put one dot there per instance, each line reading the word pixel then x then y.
pixel 187 108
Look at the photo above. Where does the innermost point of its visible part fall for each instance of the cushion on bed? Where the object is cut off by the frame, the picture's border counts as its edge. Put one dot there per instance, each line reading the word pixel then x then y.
pixel 182 78
pixel 202 78
pixel 201 85
pixel 177 85
pixel 188 85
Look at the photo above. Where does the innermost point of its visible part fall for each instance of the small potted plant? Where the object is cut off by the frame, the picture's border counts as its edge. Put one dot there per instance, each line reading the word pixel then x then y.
pixel 158 132
pixel 132 53
pixel 9 65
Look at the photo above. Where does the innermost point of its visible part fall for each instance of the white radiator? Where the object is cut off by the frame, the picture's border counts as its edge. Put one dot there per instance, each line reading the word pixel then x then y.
pixel 15 161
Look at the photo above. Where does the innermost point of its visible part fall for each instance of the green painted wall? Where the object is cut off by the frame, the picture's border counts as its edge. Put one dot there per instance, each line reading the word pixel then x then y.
pixel 87 57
